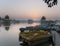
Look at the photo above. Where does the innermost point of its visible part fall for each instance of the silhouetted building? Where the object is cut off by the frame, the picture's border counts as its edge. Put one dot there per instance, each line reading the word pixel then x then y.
pixel 7 17
pixel 0 21
pixel 43 18
pixel 6 20
pixel 47 23
pixel 30 21
pixel 0 18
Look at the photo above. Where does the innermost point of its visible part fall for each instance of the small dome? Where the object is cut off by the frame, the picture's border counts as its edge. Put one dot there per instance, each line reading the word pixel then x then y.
pixel 43 18
pixel 6 17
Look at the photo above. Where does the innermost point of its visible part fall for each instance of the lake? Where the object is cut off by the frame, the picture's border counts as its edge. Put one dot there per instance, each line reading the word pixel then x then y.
pixel 9 34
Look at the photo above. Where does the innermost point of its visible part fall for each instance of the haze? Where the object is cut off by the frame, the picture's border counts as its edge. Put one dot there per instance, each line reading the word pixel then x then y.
pixel 28 9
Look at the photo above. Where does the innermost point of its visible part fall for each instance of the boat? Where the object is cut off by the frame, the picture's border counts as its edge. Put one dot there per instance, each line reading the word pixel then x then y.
pixel 34 28
pixel 35 37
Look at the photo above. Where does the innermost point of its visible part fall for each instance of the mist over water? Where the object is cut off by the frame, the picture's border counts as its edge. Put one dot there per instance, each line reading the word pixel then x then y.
pixel 9 35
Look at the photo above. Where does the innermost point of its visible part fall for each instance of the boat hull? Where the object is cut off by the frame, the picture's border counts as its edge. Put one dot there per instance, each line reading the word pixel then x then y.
pixel 36 42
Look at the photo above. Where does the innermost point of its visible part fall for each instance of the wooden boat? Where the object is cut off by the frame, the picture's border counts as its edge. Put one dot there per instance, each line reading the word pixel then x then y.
pixel 33 38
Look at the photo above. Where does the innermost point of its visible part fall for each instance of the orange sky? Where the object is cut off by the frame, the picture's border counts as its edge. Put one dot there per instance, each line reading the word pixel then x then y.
pixel 28 9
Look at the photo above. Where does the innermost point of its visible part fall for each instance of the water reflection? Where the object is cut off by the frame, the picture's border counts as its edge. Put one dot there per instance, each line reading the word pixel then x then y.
pixel 7 28
pixel 46 44
pixel 10 35
pixel 6 24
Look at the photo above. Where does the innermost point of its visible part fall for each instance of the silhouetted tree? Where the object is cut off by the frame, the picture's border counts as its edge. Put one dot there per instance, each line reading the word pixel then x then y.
pixel 50 3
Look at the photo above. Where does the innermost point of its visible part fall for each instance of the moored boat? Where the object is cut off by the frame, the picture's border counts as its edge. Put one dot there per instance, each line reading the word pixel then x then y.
pixel 32 38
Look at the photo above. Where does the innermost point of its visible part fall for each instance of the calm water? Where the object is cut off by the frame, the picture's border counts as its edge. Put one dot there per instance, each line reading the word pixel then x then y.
pixel 9 35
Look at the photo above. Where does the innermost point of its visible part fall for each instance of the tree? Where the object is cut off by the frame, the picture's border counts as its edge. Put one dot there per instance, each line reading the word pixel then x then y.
pixel 51 3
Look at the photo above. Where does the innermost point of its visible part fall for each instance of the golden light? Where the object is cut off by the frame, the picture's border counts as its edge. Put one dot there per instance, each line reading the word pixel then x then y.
pixel 33 24
pixel 34 15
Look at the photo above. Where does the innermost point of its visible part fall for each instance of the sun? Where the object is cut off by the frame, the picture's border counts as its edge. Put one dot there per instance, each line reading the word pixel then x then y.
pixel 34 15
